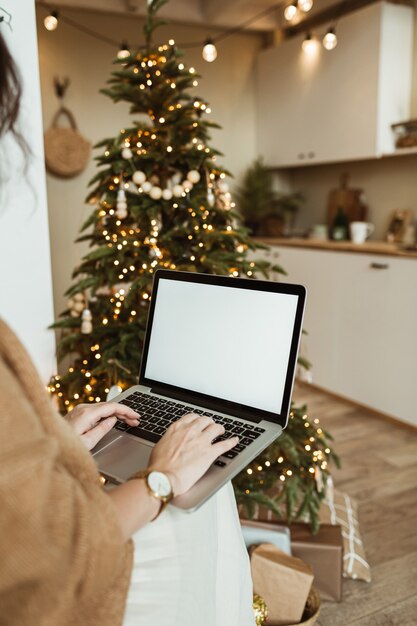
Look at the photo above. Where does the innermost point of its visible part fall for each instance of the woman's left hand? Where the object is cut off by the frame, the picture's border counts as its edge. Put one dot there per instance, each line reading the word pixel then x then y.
pixel 85 420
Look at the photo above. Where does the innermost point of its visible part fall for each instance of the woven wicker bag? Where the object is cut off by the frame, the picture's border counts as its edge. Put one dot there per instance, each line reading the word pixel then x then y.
pixel 66 151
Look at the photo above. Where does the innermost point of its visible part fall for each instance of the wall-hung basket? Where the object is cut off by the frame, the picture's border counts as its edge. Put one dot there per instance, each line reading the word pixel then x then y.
pixel 66 151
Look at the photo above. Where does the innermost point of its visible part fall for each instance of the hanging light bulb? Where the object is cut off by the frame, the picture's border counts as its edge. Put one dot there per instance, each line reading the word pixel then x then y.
pixel 330 39
pixel 209 51
pixel 309 44
pixel 51 21
pixel 124 51
pixel 291 11
pixel 305 5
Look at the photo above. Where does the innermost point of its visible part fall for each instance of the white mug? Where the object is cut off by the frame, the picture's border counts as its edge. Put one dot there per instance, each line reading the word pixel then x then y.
pixel 360 231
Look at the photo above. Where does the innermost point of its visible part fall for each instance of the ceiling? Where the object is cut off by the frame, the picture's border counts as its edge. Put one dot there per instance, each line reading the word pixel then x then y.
pixel 214 13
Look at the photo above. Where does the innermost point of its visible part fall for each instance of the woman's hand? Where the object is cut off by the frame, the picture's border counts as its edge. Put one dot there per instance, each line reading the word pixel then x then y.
pixel 185 452
pixel 85 420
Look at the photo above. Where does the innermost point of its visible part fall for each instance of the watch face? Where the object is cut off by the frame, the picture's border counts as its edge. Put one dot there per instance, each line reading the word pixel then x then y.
pixel 159 483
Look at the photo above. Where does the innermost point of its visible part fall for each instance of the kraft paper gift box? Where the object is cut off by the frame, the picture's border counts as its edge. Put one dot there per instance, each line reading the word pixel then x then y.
pixel 282 581
pixel 324 553
pixel 255 533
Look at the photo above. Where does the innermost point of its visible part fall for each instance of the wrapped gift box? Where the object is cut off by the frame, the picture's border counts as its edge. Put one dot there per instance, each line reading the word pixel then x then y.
pixel 338 509
pixel 283 581
pixel 324 553
pixel 255 533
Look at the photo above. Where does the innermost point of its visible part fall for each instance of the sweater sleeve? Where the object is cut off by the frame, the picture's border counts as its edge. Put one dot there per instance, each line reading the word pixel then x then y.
pixel 62 557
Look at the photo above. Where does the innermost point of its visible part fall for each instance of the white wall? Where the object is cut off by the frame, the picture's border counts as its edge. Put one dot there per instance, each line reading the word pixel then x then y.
pixel 25 266
pixel 227 84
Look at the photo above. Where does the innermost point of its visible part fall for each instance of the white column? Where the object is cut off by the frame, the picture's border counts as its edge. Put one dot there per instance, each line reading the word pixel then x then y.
pixel 25 264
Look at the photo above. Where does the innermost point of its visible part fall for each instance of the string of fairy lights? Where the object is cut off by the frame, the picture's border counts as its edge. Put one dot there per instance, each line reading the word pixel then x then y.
pixel 293 13
pixel 114 210
pixel 316 463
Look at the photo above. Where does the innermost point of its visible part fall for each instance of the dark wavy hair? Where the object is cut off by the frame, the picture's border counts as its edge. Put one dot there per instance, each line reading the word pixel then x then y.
pixel 10 98
pixel 10 95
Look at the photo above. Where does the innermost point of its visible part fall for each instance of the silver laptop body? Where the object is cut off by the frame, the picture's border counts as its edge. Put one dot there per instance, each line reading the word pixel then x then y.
pixel 218 346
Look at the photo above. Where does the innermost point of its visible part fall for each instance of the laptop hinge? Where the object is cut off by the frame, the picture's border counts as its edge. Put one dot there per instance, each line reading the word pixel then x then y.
pixel 211 405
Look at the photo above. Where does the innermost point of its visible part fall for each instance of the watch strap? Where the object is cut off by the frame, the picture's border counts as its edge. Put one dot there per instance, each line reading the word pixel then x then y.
pixel 164 500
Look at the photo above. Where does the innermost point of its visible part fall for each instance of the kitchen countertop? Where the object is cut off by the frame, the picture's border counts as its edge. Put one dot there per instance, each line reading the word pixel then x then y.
pixel 369 247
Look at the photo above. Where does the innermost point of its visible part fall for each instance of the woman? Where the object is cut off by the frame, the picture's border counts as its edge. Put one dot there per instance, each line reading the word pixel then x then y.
pixel 65 549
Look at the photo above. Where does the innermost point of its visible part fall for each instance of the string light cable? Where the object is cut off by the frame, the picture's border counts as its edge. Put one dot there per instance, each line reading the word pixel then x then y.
pixel 291 10
pixel 83 29
pixel 186 45
pixel 5 17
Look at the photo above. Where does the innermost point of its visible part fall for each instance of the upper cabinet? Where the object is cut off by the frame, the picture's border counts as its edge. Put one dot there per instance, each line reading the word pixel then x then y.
pixel 338 105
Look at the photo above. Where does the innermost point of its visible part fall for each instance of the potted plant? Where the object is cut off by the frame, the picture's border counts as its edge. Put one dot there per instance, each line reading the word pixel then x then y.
pixel 265 211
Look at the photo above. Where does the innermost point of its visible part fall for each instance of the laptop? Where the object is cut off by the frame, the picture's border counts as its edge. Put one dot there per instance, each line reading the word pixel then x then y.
pixel 217 346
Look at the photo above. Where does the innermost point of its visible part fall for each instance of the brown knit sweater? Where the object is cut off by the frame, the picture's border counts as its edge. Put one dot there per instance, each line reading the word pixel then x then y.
pixel 63 561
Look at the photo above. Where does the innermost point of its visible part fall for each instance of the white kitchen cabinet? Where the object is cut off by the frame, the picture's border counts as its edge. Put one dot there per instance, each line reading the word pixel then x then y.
pixel 361 318
pixel 337 105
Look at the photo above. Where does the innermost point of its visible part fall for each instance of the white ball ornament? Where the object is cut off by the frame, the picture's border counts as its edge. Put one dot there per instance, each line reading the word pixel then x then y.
pixel 156 193
pixel 187 185
pixel 121 196
pixel 193 176
pixel 76 304
pixel 167 194
pixel 78 307
pixel 138 177
pixel 223 187
pixel 178 190
pixel 146 186
pixel 127 153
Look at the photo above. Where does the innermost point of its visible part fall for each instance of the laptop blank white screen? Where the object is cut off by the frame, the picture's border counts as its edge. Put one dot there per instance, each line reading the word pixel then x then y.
pixel 225 342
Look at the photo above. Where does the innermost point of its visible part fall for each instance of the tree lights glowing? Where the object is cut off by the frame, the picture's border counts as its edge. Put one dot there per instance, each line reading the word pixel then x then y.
pixel 159 200
pixel 289 477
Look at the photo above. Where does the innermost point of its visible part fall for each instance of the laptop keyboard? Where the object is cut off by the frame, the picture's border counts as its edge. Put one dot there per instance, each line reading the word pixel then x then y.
pixel 157 414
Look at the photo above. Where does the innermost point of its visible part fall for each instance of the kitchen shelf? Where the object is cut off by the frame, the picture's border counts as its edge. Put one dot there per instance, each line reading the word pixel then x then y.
pixel 370 247
pixel 401 152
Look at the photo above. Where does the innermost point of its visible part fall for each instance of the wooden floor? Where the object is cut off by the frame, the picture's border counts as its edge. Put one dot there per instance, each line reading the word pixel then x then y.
pixel 379 469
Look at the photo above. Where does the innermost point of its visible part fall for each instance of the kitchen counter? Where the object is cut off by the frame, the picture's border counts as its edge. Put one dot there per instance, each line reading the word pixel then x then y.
pixel 361 320
pixel 369 247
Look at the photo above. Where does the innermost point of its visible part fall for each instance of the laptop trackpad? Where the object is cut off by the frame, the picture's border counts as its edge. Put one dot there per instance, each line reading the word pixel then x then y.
pixel 124 457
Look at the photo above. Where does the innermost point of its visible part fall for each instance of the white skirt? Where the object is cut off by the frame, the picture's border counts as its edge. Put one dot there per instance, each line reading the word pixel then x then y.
pixel 192 569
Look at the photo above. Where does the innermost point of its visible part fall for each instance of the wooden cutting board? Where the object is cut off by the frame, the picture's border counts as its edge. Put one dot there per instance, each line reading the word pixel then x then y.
pixel 350 200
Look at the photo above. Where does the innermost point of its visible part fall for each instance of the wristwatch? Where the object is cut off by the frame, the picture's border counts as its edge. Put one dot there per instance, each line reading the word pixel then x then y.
pixel 159 486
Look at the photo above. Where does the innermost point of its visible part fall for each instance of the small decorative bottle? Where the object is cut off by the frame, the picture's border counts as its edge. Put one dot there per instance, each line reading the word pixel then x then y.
pixel 340 226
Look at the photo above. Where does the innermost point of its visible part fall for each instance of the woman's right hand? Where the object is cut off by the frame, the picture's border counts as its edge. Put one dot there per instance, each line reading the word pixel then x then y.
pixel 185 452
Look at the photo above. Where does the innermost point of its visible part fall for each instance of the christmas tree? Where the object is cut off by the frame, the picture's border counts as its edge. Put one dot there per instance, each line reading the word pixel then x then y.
pixel 160 200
